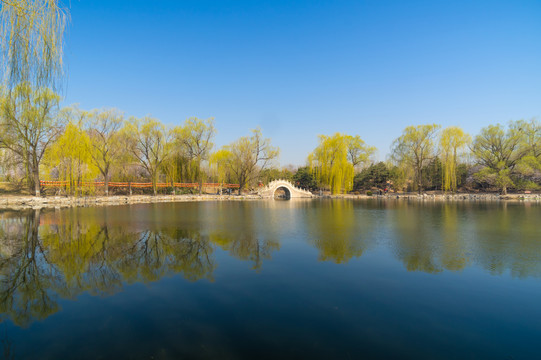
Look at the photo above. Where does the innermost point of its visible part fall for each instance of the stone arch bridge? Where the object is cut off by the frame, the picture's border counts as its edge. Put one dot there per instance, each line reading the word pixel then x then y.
pixel 291 191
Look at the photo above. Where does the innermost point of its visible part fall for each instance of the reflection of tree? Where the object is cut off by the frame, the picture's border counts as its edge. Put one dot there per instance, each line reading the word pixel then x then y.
pixel 159 253
pixel 246 246
pixel 71 253
pixel 26 275
pixel 242 240
pixel 507 238
pixel 450 236
pixel 453 255
pixel 418 239
pixel 81 253
pixel 338 231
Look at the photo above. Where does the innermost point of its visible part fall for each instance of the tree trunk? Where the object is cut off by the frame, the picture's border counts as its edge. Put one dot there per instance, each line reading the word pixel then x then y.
pixel 106 183
pixel 29 175
pixel 504 190
pixel 419 181
pixel 154 185
pixel 201 187
pixel 35 173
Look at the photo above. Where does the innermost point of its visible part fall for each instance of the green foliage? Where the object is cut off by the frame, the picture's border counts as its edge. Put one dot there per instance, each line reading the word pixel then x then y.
pixel 453 143
pixel 192 146
pixel 304 178
pixel 149 143
pixel 359 153
pixel 432 174
pixel 415 149
pixel 334 160
pixel 28 125
pixel 103 128
pixel 71 157
pixel 268 175
pixel 247 156
pixel 399 176
pixel 499 150
pixel 32 42
pixel 376 175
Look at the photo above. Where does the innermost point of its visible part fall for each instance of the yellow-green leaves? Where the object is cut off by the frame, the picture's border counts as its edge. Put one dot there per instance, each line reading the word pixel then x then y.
pixel 71 159
pixel 247 156
pixel 103 127
pixel 193 142
pixel 453 142
pixel 195 137
pixel 415 148
pixel 335 158
pixel 500 150
pixel 150 144
pixel 28 125
pixel 218 163
pixel 32 41
pixel 359 153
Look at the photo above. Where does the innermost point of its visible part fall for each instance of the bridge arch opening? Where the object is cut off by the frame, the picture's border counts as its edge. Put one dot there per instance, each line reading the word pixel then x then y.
pixel 282 193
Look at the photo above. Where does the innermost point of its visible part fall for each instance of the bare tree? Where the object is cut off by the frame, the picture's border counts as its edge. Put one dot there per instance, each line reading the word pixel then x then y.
pixel 415 149
pixel 149 142
pixel 103 127
pixel 195 140
pixel 248 156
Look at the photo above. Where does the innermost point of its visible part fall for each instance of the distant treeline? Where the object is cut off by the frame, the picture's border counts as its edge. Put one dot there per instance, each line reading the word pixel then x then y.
pixel 426 157
pixel 41 141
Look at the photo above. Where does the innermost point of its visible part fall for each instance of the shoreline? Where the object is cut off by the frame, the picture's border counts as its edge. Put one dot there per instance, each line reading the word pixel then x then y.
pixel 446 197
pixel 32 202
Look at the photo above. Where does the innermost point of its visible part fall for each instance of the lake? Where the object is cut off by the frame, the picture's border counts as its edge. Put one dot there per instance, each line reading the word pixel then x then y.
pixel 318 279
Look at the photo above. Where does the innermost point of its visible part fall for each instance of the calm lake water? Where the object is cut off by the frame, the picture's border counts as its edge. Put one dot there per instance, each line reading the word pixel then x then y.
pixel 328 279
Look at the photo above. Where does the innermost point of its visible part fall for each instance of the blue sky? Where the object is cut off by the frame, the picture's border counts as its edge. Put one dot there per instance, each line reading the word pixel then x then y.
pixel 302 68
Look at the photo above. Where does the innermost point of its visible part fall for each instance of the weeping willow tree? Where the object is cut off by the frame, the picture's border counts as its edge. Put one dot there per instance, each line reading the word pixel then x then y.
pixel 70 158
pixel 218 164
pixel 32 42
pixel 333 161
pixel 194 141
pixel 453 142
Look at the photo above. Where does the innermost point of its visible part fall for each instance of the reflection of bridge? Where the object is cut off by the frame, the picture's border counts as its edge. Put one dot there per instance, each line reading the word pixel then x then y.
pixel 291 191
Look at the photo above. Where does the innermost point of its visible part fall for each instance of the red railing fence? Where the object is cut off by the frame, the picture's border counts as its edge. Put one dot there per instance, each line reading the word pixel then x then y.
pixel 135 185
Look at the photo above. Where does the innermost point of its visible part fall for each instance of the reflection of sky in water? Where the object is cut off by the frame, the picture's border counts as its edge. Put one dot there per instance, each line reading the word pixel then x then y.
pixel 323 279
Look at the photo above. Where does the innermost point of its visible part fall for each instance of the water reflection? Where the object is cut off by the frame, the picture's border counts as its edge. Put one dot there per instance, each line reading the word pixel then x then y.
pixel 70 254
pixel 50 255
pixel 238 233
pixel 452 236
pixel 339 230
pixel 29 281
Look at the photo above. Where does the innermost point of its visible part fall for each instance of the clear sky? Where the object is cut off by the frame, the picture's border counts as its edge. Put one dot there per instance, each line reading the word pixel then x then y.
pixel 302 68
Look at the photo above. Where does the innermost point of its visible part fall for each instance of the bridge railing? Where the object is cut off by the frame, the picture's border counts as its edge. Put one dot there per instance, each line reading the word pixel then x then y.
pixel 136 185
pixel 271 185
